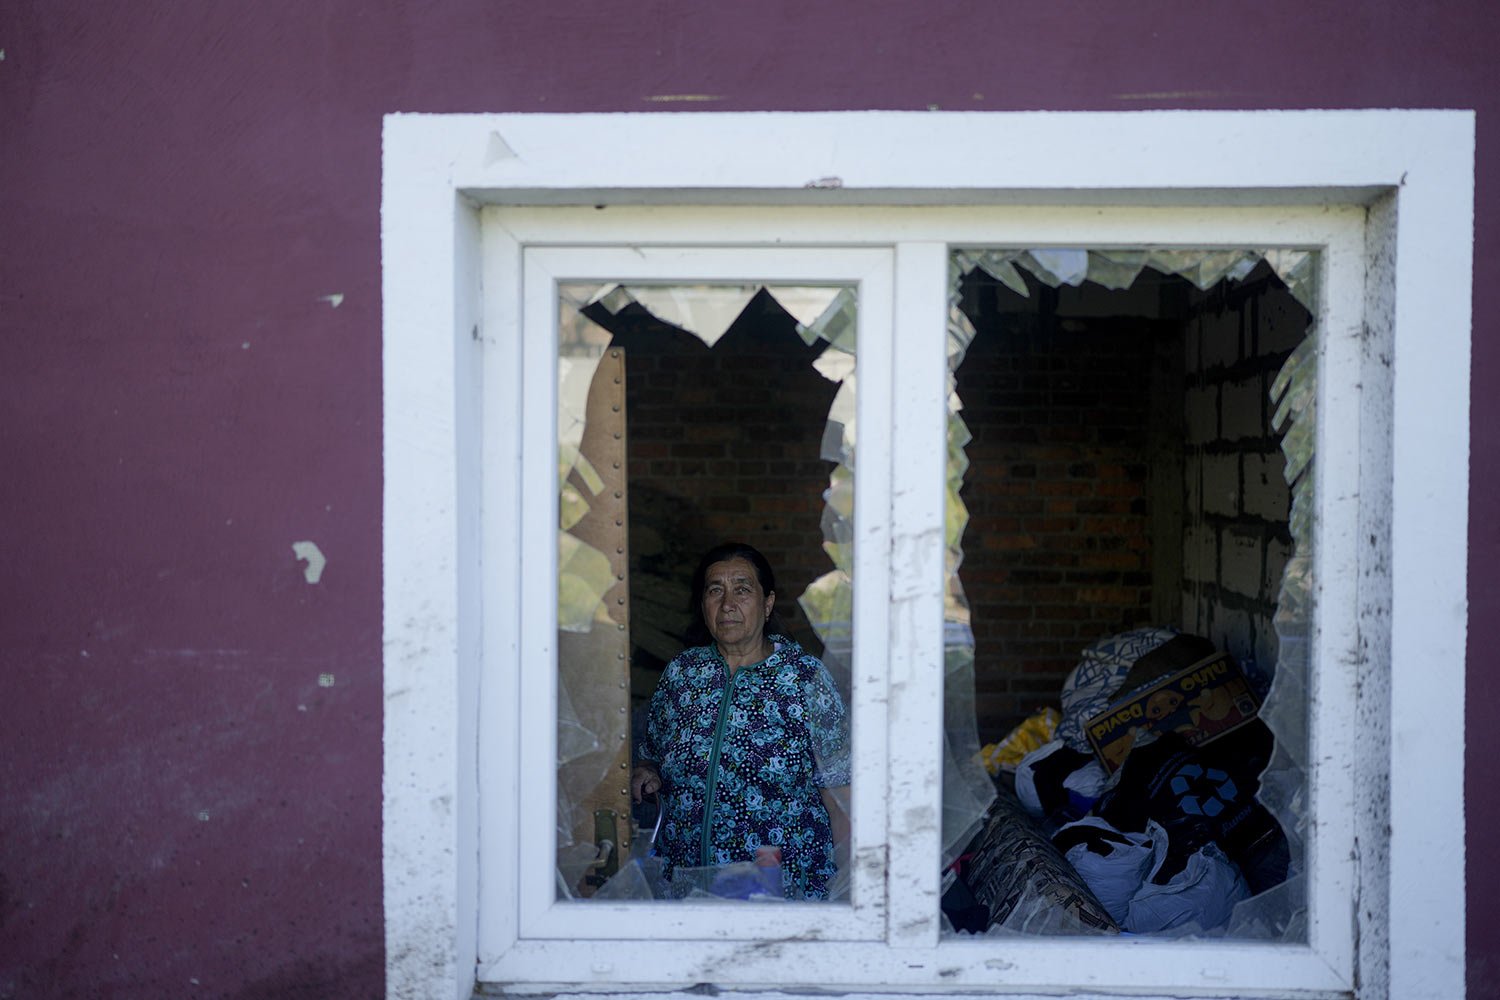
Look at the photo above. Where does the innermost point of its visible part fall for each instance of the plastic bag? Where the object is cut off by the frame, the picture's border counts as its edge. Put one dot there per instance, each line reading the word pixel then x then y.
pixel 1199 897
pixel 1028 736
pixel 1059 782
pixel 1114 864
pixel 738 880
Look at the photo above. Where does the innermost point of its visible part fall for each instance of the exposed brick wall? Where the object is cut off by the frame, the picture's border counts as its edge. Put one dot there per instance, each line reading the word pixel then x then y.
pixel 1235 339
pixel 723 444
pixel 1058 548
pixel 1068 403
pixel 1122 472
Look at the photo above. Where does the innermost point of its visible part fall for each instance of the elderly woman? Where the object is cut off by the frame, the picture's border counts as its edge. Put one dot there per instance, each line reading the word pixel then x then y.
pixel 747 735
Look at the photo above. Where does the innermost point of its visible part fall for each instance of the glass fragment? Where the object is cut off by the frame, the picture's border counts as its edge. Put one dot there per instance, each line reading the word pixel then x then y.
pixel 1278 914
pixel 590 734
pixel 1058 266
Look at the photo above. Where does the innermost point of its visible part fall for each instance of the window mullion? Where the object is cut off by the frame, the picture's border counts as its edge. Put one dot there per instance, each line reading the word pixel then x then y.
pixel 918 451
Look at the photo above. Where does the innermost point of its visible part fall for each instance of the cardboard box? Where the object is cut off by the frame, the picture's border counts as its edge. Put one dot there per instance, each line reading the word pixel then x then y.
pixel 1201 702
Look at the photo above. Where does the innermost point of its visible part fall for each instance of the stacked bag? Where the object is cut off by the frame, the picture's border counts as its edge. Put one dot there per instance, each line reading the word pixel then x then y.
pixel 1175 838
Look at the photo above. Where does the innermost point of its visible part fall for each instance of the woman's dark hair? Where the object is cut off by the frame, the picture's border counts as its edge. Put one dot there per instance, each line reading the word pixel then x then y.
pixel 697 633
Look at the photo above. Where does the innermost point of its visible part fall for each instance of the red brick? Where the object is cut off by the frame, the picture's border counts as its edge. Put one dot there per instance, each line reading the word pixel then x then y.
pixel 1050 525
pixel 1062 487
pixel 697 449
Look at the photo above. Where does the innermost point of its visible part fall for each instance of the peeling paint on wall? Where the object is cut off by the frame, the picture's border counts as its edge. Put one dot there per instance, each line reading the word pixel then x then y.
pixel 309 553
pixel 335 300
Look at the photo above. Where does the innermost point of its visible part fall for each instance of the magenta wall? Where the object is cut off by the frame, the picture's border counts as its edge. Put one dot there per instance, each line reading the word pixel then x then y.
pixel 185 810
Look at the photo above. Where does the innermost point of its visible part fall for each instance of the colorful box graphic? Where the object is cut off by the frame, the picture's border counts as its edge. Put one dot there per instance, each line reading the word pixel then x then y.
pixel 1201 702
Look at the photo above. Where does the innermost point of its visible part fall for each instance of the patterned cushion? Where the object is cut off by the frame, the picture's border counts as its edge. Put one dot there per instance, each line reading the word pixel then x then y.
pixel 1012 869
pixel 1098 677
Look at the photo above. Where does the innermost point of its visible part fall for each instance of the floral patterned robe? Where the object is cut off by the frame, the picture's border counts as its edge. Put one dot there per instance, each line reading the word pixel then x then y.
pixel 750 750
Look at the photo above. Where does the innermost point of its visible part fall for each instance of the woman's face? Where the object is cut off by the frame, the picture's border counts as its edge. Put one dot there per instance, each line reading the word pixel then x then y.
pixel 735 608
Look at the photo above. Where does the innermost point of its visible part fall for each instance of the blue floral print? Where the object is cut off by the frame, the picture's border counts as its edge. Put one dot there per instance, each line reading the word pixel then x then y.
pixel 747 772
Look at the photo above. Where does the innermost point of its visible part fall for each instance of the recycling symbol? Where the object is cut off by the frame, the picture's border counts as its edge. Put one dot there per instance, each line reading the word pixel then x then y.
pixel 1203 792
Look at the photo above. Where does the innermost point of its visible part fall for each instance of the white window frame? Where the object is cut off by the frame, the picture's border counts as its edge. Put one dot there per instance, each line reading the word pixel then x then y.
pixel 541 916
pixel 1388 198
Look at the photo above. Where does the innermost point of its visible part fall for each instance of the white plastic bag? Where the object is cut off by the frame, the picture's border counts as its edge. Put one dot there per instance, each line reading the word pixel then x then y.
pixel 1200 897
pixel 1114 864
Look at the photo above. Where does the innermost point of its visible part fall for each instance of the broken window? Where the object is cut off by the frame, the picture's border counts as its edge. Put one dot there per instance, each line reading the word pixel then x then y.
pixel 1129 496
pixel 471 540
pixel 691 415
pixel 1128 461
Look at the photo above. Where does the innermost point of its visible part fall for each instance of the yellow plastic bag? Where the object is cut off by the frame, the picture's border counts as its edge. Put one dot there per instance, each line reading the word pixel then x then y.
pixel 1033 733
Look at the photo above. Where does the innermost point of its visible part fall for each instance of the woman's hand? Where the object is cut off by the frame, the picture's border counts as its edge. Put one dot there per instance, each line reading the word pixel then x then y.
pixel 644 781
